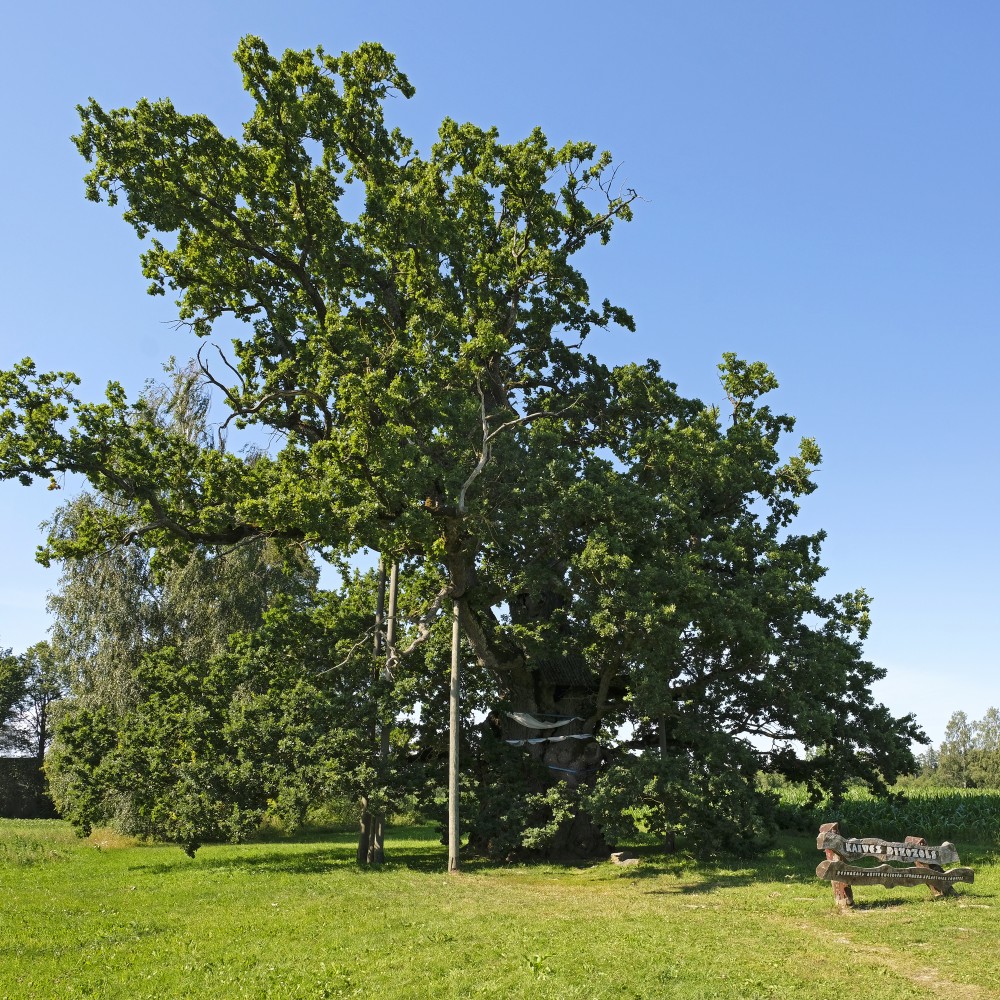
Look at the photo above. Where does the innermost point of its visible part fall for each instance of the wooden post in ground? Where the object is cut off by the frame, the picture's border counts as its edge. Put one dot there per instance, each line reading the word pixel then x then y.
pixel 376 851
pixel 843 894
pixel 453 734
pixel 365 823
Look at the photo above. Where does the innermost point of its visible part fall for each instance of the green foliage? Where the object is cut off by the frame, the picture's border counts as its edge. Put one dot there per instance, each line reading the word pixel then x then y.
pixel 558 804
pixel 141 636
pixel 710 801
pixel 208 748
pixel 937 813
pixel 413 331
pixel 984 763
pixel 13 690
pixel 969 755
pixel 955 753
pixel 30 685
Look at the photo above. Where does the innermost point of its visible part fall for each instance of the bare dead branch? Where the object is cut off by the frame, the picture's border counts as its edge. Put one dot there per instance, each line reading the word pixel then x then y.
pixel 484 454
pixel 240 410
pixel 227 363
pixel 488 436
pixel 365 637
pixel 395 655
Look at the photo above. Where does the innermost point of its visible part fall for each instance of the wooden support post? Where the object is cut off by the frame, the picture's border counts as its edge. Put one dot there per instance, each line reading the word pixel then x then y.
pixel 376 850
pixel 938 889
pixel 366 822
pixel 843 894
pixel 454 727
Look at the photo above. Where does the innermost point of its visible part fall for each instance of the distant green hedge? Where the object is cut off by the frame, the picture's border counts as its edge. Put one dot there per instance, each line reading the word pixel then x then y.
pixel 22 790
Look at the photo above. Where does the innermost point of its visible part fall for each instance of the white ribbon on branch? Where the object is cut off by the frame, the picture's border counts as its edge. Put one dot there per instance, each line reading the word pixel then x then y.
pixel 550 739
pixel 530 722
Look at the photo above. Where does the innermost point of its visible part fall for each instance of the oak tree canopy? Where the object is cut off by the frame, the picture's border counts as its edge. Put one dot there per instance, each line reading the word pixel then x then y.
pixel 414 327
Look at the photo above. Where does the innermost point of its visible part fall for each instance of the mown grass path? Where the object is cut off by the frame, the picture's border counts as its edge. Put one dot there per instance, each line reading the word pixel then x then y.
pixel 298 919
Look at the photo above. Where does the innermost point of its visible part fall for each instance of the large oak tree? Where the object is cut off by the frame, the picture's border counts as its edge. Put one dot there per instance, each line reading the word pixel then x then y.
pixel 415 328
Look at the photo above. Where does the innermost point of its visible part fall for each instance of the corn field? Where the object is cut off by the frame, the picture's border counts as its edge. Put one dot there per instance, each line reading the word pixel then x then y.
pixel 955 814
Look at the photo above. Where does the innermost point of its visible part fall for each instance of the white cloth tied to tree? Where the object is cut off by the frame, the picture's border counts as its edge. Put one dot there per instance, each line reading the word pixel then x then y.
pixel 550 739
pixel 530 722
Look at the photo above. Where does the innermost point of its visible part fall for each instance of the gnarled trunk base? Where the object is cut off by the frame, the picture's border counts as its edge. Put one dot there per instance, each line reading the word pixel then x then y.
pixel 513 772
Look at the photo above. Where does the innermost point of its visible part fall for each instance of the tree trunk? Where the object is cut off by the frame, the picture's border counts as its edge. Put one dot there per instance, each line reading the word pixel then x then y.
pixel 669 838
pixel 567 690
pixel 364 832
pixel 538 767
pixel 376 842
pixel 376 848
pixel 43 733
pixel 576 762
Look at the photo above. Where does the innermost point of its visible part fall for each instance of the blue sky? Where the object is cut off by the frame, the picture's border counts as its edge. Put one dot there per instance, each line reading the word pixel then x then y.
pixel 819 191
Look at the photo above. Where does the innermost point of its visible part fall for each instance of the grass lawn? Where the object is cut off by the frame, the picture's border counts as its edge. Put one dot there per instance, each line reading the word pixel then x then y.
pixel 93 918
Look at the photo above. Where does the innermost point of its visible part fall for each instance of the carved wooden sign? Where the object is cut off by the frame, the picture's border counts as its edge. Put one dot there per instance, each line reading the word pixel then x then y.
pixel 838 871
pixel 926 861
pixel 886 850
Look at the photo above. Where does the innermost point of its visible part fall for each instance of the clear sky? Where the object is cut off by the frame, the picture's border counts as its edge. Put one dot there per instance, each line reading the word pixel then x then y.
pixel 819 191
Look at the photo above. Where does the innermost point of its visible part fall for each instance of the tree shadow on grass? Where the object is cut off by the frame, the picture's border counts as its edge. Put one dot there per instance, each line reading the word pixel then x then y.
pixel 286 859
pixel 733 881
pixel 791 859
pixel 261 862
pixel 917 898
pixel 311 854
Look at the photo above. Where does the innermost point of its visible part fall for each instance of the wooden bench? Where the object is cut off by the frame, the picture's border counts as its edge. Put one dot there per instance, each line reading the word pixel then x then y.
pixel 926 862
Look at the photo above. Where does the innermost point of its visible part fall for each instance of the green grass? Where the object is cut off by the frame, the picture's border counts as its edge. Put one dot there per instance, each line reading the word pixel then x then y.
pixel 298 919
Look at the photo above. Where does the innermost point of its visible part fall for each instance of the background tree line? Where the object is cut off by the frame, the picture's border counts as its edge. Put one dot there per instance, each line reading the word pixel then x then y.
pixel 31 686
pixel 969 754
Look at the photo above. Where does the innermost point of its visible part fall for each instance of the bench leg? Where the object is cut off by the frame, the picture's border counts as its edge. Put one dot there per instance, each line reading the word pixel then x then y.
pixel 843 894
pixel 938 889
